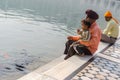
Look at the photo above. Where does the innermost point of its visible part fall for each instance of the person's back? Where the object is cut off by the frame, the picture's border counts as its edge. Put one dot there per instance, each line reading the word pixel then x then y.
pixel 96 34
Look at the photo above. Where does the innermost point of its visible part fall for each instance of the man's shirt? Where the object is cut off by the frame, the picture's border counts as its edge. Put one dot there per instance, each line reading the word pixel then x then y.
pixel 112 29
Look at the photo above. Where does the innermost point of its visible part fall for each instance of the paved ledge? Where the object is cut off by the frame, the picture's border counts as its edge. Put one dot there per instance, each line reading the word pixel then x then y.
pixel 100 69
pixel 36 74
pixel 50 64
pixel 67 67
pixel 64 67
pixel 105 66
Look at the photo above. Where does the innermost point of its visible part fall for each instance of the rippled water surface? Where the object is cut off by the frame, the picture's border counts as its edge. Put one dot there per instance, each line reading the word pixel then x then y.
pixel 33 32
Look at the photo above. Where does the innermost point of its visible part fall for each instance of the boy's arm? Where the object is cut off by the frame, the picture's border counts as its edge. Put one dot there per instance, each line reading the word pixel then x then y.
pixel 75 38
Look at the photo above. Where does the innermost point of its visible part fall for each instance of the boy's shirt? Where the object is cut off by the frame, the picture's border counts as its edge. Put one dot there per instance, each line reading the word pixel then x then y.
pixel 85 35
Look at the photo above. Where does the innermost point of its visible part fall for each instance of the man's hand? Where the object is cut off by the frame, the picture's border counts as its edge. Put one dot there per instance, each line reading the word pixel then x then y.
pixel 77 42
pixel 69 37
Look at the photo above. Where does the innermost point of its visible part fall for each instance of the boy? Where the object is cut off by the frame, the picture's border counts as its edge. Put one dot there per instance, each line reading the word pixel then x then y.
pixel 84 35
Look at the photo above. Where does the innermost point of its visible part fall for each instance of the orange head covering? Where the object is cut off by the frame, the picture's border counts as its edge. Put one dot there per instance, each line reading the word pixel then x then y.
pixel 108 14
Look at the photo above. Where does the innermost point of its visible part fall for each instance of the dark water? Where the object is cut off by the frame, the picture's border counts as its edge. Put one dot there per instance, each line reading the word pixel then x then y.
pixel 33 32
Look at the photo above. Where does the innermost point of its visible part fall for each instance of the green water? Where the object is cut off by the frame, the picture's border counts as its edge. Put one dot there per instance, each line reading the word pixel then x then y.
pixel 33 32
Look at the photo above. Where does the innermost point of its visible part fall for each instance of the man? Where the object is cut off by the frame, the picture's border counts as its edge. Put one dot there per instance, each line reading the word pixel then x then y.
pixel 90 46
pixel 111 32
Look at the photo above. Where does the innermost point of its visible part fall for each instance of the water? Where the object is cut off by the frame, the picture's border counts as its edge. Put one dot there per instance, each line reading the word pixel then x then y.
pixel 33 32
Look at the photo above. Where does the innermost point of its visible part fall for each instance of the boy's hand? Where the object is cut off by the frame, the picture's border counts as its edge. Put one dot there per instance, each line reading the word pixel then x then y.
pixel 79 31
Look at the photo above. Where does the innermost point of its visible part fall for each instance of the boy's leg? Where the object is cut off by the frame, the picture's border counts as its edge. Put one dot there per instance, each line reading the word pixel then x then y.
pixel 67 45
pixel 70 53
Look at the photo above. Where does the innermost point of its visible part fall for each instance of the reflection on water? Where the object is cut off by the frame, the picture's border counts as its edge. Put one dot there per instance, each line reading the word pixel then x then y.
pixel 33 32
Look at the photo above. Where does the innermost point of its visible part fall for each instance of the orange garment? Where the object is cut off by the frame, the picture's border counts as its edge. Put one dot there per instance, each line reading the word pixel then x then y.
pixel 95 38
pixel 75 38
pixel 108 14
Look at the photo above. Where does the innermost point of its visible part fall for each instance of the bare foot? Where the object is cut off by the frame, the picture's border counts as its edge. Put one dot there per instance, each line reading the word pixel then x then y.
pixel 66 57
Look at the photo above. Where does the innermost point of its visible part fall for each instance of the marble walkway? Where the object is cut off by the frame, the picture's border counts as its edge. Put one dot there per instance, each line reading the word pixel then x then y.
pixel 105 65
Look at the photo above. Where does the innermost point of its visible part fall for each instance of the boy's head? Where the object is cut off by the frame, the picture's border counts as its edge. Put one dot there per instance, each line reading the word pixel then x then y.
pixel 85 24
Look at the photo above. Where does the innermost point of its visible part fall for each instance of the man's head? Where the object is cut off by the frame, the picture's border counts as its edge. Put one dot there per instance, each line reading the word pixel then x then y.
pixel 108 16
pixel 92 16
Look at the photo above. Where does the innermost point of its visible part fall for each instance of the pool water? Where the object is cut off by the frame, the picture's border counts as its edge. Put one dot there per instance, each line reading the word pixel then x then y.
pixel 33 32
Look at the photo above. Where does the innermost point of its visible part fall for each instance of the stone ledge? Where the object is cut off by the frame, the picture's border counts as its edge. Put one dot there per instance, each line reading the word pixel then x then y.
pixel 61 66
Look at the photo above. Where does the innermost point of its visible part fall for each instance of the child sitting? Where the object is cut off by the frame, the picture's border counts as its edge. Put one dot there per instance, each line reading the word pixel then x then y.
pixel 84 35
